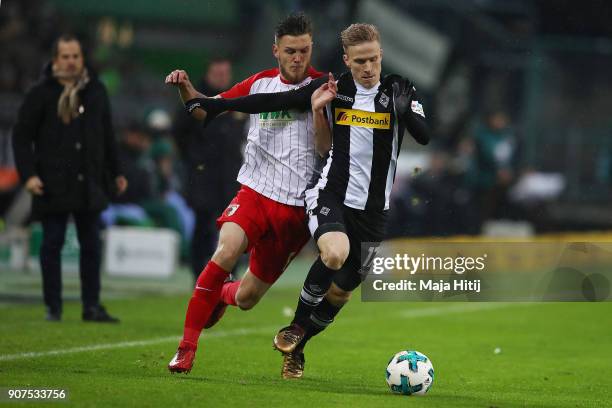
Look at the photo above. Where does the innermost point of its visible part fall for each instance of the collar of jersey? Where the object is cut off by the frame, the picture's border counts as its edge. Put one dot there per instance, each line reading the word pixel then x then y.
pixel 363 90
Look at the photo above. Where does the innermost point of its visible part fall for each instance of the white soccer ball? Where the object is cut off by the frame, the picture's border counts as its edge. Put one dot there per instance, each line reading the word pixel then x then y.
pixel 410 373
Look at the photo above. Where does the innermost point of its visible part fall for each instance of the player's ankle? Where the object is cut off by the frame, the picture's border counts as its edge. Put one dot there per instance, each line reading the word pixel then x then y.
pixel 184 344
pixel 300 324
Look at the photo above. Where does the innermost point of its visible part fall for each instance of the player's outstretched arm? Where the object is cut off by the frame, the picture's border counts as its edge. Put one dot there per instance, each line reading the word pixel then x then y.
pixel 410 111
pixel 180 79
pixel 319 100
pixel 298 99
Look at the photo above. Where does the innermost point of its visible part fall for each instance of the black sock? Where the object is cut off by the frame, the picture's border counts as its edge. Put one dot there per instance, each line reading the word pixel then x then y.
pixel 315 287
pixel 321 317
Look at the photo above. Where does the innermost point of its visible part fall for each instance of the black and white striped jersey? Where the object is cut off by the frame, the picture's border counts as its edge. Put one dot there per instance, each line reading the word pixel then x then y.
pixel 367 137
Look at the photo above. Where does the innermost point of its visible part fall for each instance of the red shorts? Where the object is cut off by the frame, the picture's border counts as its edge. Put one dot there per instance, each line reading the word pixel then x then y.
pixel 276 232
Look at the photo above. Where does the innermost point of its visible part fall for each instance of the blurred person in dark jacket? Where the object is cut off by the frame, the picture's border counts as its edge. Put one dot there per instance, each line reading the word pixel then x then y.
pixel 171 207
pixel 65 153
pixel 495 163
pixel 139 170
pixel 136 164
pixel 214 156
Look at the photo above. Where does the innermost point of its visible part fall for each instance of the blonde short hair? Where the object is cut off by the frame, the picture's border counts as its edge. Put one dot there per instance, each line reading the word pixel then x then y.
pixel 358 33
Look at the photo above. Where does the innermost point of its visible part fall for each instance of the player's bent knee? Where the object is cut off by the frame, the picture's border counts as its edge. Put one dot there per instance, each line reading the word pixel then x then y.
pixel 334 256
pixel 247 295
pixel 246 300
pixel 334 248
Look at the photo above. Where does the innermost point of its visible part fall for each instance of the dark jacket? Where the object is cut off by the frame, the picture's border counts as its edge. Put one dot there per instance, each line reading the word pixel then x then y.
pixel 77 163
pixel 139 171
pixel 213 155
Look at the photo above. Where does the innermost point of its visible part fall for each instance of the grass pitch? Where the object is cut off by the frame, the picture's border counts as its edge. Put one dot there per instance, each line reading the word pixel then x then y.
pixel 551 355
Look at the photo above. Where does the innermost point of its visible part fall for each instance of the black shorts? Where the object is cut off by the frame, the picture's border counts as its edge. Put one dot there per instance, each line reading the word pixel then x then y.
pixel 361 226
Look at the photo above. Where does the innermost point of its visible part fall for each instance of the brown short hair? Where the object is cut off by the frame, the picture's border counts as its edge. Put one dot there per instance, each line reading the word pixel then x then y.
pixel 359 33
pixel 62 38
pixel 294 24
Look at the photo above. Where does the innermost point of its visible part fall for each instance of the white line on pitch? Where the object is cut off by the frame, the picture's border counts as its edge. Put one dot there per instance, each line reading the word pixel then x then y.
pixel 126 344
pixel 409 314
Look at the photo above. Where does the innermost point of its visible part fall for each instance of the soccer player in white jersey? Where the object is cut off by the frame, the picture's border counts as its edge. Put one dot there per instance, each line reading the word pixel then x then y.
pixel 360 120
pixel 266 218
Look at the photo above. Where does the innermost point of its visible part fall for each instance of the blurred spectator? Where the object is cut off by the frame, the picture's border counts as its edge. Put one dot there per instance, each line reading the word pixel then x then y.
pixel 66 155
pixel 9 179
pixel 26 30
pixel 139 171
pixel 495 162
pixel 138 167
pixel 171 206
pixel 436 189
pixel 154 200
pixel 437 201
pixel 213 156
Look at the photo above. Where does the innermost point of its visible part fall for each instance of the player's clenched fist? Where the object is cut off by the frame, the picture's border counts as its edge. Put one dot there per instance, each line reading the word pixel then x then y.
pixel 177 77
pixel 180 79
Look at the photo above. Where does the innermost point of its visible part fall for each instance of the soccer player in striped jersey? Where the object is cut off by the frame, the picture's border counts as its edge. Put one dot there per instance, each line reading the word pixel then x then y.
pixel 362 119
pixel 267 216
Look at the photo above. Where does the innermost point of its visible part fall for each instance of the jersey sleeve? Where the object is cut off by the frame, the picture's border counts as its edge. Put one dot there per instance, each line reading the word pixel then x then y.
pixel 242 88
pixel 298 99
pixel 414 120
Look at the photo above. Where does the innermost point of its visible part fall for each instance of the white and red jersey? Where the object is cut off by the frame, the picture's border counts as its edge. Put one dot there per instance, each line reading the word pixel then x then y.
pixel 279 158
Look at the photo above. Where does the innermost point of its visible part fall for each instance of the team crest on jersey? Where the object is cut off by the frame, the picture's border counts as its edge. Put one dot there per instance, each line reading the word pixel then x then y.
pixel 384 100
pixel 231 209
pixel 324 211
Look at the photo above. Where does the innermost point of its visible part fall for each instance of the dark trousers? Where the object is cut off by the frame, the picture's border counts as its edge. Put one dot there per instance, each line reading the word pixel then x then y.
pixel 54 234
pixel 204 241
